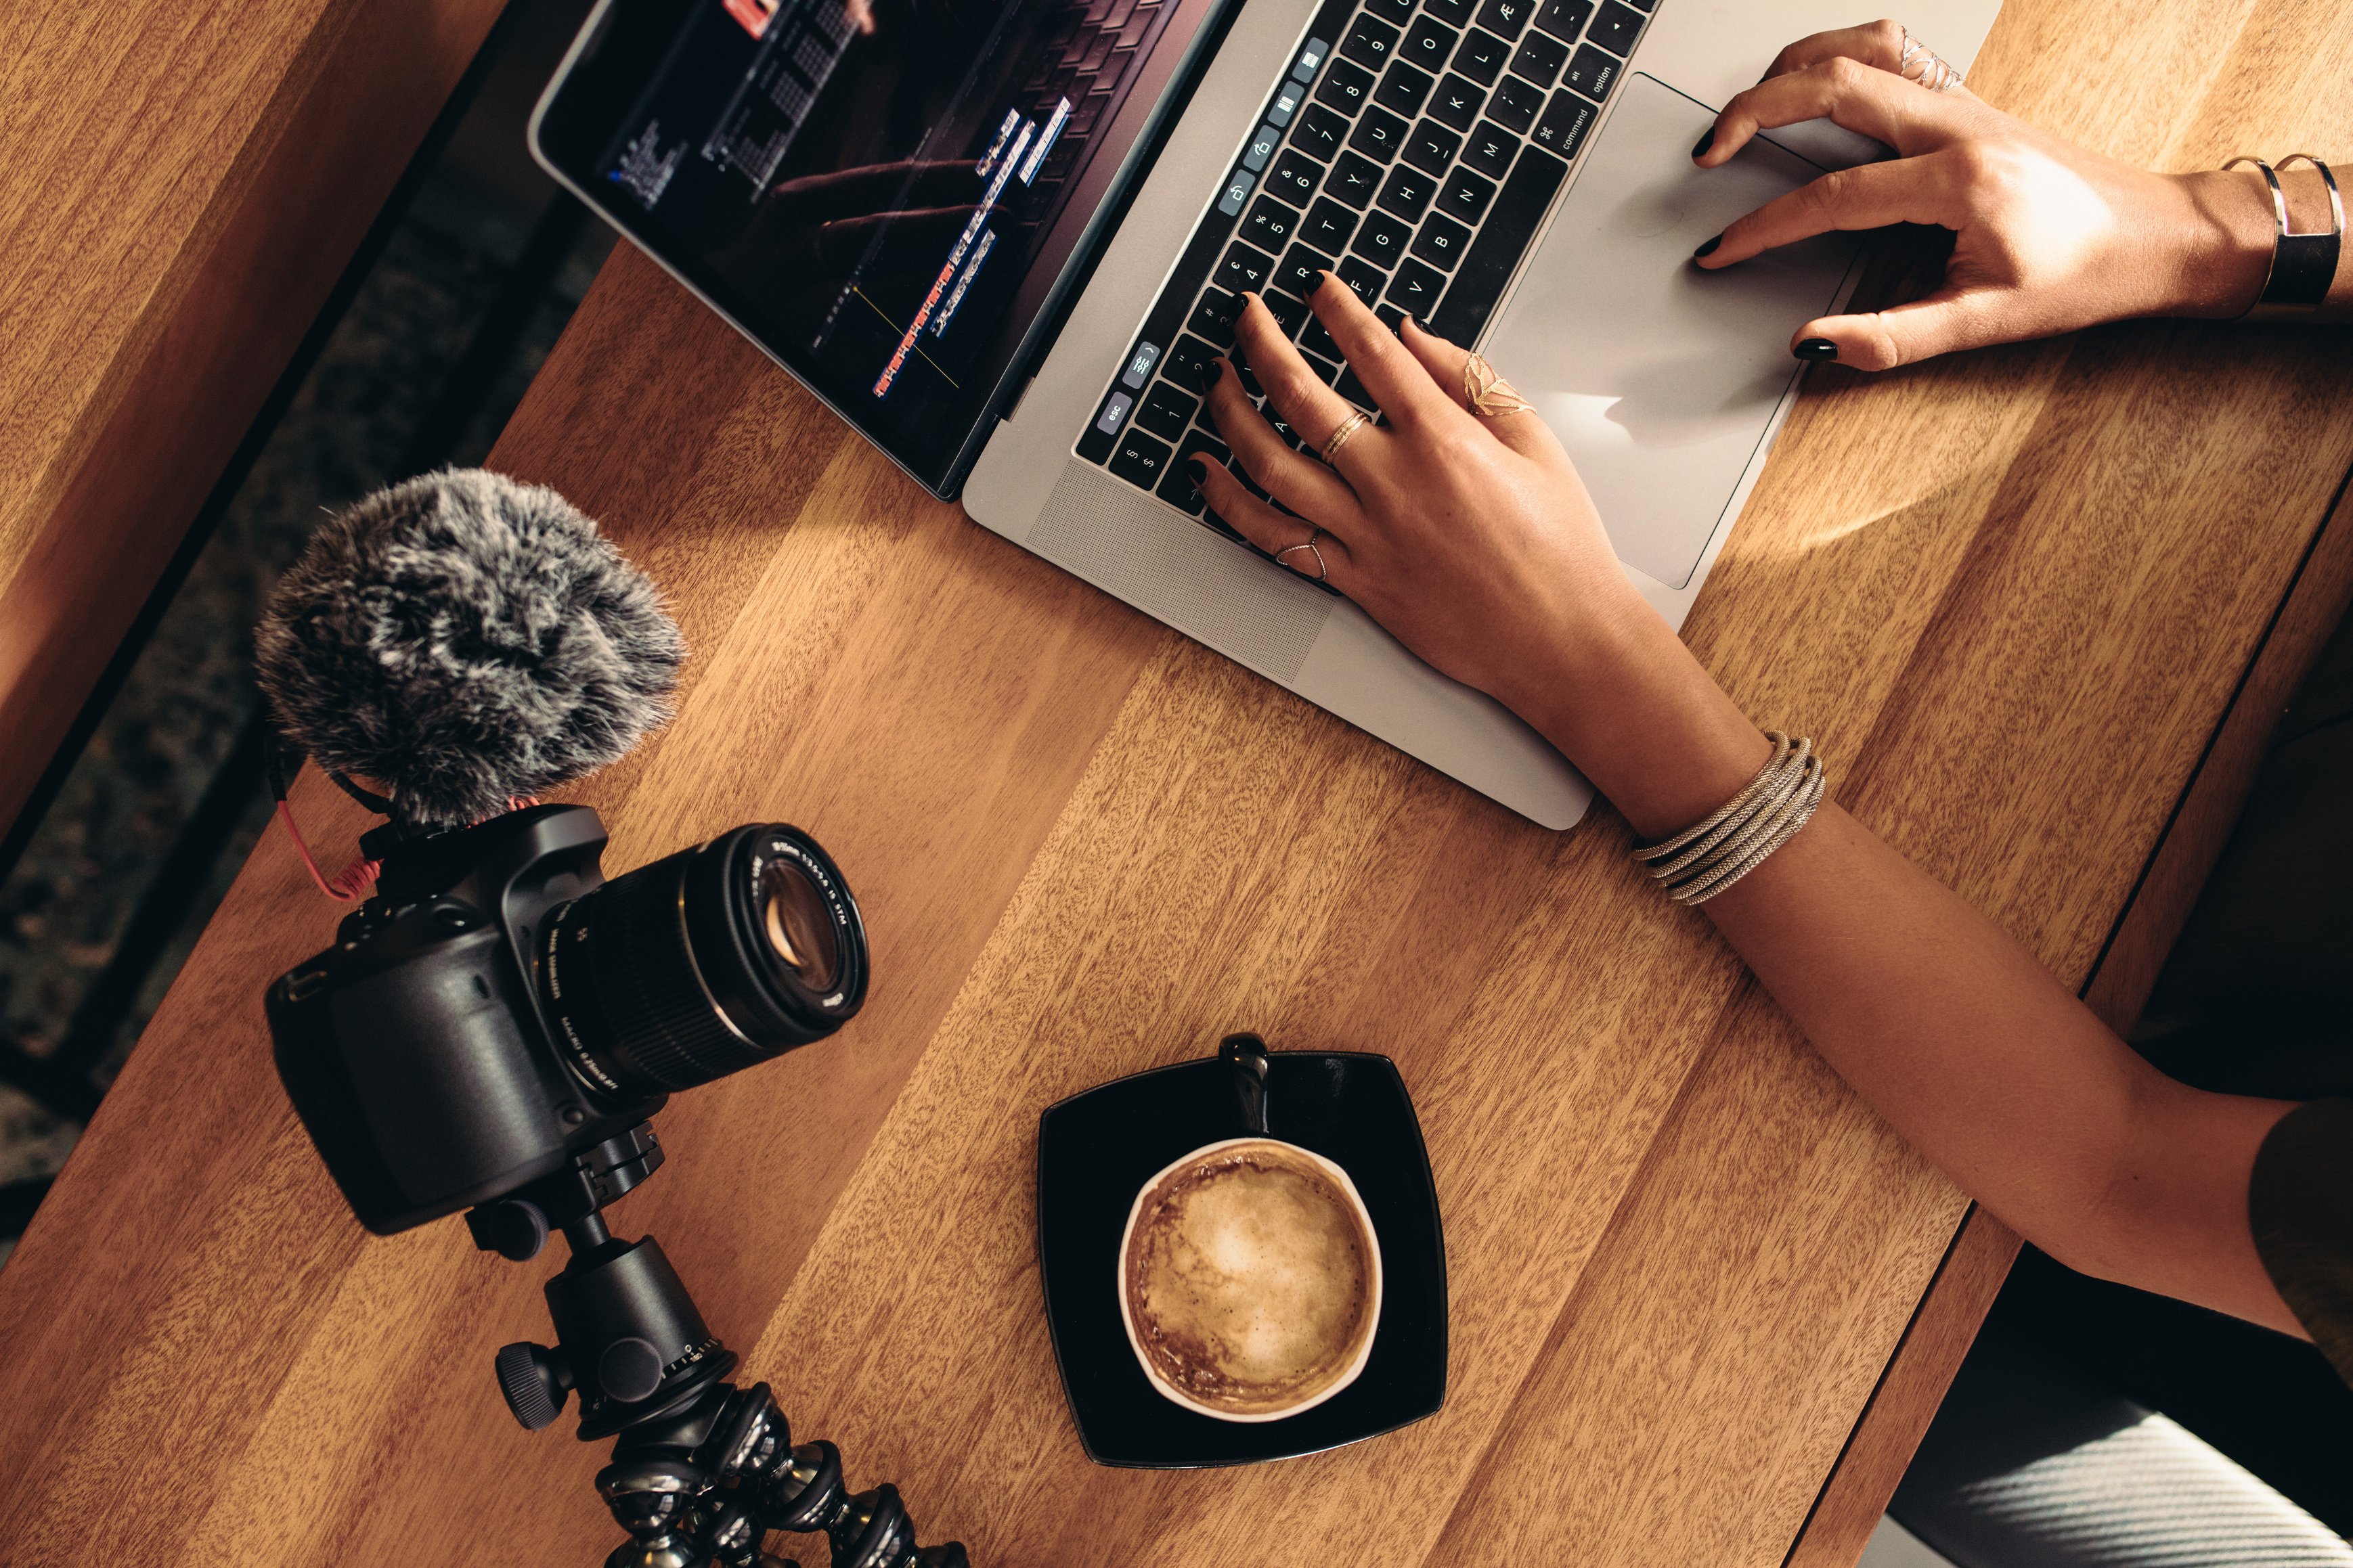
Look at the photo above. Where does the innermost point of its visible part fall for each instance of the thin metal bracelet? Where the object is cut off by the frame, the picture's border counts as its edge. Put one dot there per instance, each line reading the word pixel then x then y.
pixel 1710 855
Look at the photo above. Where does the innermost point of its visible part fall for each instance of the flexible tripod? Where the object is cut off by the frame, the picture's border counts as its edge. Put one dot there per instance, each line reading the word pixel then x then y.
pixel 702 1469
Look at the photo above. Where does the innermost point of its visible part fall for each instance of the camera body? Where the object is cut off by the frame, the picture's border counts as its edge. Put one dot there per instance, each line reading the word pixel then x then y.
pixel 417 1049
pixel 498 1022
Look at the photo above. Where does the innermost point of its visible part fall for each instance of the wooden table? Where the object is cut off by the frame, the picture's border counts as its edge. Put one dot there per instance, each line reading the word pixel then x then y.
pixel 2036 604
pixel 182 187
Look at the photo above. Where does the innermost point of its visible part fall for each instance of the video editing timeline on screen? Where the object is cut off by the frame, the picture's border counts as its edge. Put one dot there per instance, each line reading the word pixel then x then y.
pixel 1017 151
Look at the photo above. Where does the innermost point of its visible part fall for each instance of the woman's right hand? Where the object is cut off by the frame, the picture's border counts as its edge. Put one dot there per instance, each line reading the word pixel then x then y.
pixel 2048 238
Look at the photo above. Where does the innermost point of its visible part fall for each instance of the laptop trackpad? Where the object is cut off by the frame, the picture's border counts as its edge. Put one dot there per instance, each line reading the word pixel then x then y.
pixel 1661 378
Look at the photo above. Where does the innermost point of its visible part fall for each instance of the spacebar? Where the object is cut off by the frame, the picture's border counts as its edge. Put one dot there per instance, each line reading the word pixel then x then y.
pixel 1527 192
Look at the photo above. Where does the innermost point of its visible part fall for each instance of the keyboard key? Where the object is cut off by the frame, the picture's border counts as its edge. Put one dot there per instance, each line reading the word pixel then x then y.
pixel 1540 57
pixel 1237 192
pixel 1205 441
pixel 1139 459
pixel 1441 241
pixel 1346 86
pixel 1592 73
pixel 1482 57
pixel 1465 196
pixel 1349 387
pixel 1325 371
pixel 1245 267
pixel 1397 11
pixel 1287 99
pixel 1429 45
pixel 1403 90
pixel 1453 13
pixel 1302 270
pixel 1269 225
pixel 1564 19
pixel 1261 147
pixel 1293 177
pixel 1362 275
pixel 1167 410
pixel 1431 147
pixel 1177 487
pixel 1516 104
pixel 1389 315
pixel 1493 257
pixel 1139 367
pixel 1382 239
pixel 1288 312
pixel 1505 18
pixel 1616 28
pixel 1562 129
pixel 1490 151
pixel 1213 317
pixel 1314 340
pixel 1416 288
pixel 1457 102
pixel 1311 60
pixel 1328 226
pixel 1407 193
pixel 1355 180
pixel 1380 135
pixel 1319 133
pixel 1114 409
pixel 1371 42
pixel 1190 363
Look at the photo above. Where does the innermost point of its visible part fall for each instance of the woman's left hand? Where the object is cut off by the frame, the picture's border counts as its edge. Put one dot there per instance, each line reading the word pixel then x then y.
pixel 1471 538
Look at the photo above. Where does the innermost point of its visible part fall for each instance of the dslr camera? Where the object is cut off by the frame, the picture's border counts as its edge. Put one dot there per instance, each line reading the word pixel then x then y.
pixel 499 1019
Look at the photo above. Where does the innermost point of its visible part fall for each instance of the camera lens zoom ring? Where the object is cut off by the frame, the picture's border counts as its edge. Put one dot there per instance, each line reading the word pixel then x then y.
pixel 658 1012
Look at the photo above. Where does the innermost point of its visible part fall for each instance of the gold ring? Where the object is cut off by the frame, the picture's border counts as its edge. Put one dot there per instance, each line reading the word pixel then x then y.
pixel 1356 420
pixel 1308 544
pixel 1490 394
pixel 1933 72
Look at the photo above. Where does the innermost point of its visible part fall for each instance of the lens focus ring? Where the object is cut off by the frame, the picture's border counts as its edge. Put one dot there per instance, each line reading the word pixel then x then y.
pixel 657 1015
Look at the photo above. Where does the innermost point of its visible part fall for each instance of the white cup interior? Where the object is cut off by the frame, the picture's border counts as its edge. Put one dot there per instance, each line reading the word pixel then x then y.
pixel 1364 1218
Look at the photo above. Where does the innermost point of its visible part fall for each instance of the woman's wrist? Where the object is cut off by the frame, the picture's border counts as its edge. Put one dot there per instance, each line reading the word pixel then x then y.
pixel 1625 701
pixel 2230 230
pixel 2227 232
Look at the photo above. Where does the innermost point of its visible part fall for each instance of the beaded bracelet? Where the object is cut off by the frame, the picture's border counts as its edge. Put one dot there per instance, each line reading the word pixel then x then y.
pixel 1710 855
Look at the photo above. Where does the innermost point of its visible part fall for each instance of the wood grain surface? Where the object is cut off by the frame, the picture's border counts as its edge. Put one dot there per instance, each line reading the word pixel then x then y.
pixel 181 189
pixel 2011 597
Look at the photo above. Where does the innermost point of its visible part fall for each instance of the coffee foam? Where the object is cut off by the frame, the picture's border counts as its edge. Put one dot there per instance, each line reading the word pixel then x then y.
pixel 1250 1279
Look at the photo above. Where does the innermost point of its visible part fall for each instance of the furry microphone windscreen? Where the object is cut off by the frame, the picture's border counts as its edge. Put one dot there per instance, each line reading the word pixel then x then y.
pixel 462 639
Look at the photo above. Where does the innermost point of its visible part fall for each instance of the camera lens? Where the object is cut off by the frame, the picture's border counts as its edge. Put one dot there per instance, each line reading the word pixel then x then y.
pixel 703 964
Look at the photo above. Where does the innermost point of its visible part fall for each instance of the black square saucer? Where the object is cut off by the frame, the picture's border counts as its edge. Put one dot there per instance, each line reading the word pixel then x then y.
pixel 1095 1152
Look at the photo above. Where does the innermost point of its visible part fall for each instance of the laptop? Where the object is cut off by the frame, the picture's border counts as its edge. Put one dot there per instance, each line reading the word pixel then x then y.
pixel 1002 238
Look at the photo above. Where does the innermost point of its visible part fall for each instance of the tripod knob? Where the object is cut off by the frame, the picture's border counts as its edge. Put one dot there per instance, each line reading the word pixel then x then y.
pixel 534 1381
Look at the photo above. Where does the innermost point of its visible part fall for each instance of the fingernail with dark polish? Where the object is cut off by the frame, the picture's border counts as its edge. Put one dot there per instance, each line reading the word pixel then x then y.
pixel 1707 246
pixel 1706 142
pixel 1816 348
pixel 1200 466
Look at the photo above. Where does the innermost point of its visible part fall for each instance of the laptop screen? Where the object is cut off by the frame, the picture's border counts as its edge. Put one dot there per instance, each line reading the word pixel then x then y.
pixel 883 192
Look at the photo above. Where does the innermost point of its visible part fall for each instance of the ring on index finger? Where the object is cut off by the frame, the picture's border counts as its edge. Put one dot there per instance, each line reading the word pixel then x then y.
pixel 1356 420
pixel 1489 394
pixel 1919 63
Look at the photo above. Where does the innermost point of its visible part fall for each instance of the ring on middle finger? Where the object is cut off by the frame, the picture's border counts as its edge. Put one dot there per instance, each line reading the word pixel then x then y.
pixel 1916 62
pixel 1356 420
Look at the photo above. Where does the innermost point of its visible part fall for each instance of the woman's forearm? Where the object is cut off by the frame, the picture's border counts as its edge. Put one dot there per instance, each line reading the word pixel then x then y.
pixel 1968 1047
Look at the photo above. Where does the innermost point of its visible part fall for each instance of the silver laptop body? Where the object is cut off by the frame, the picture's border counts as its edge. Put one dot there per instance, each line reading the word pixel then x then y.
pixel 1665 383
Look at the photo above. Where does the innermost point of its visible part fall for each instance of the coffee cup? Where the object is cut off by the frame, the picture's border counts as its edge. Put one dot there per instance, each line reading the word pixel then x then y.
pixel 1249 1270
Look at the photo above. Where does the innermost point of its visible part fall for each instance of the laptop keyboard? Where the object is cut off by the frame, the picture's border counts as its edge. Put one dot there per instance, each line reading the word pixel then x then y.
pixel 1412 150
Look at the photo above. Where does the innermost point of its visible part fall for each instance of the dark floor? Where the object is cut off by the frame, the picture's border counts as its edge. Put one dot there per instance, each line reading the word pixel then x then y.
pixel 481 270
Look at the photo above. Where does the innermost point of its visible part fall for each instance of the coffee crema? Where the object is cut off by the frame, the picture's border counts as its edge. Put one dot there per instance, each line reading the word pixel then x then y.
pixel 1249 1280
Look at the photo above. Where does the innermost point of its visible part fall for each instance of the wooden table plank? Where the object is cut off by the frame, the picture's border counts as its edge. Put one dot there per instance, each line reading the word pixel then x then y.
pixel 2012 595
pixel 179 196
